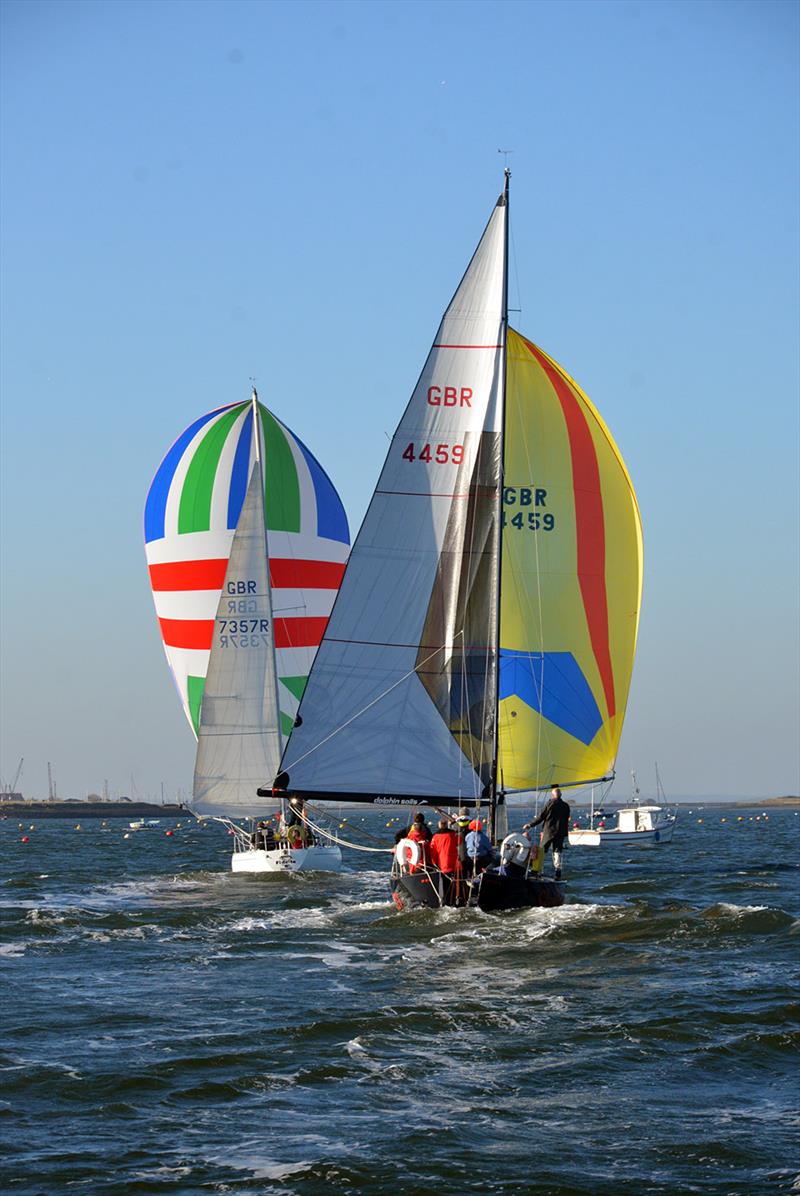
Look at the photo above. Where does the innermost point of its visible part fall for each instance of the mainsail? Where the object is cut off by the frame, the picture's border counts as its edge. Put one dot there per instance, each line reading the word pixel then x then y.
pixel 239 741
pixel 503 531
pixel 396 703
pixel 192 510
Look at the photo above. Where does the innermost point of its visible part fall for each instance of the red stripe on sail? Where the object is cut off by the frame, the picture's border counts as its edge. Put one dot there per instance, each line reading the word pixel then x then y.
pixel 210 575
pixel 299 632
pixel 589 524
pixel 188 575
pixel 305 575
pixel 187 633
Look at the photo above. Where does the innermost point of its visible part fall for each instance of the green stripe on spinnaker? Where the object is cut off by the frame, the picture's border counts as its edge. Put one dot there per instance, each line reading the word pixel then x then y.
pixel 194 689
pixel 194 513
pixel 295 685
pixel 282 501
pixel 287 724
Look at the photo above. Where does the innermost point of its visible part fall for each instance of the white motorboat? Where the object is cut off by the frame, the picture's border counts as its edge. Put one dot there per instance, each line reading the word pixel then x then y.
pixel 636 824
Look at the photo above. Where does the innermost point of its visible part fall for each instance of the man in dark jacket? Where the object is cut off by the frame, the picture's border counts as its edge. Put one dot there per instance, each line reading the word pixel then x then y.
pixel 555 825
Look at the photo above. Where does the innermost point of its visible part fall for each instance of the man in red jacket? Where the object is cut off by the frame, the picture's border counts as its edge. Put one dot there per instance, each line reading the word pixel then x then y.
pixel 444 849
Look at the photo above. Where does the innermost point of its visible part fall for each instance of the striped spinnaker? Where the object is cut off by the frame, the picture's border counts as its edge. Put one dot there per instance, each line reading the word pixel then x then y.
pixel 191 512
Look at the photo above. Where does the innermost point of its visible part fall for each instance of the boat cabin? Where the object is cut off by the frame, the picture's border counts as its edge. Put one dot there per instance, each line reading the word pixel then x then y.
pixel 638 818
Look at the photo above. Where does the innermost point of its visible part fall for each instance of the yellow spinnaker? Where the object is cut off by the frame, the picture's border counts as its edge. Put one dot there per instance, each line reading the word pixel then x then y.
pixel 571 580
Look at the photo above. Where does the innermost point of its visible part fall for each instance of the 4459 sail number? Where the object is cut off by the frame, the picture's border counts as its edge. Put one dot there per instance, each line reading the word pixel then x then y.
pixel 442 454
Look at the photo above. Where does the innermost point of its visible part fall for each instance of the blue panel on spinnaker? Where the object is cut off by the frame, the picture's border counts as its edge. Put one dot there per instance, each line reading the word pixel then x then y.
pixel 156 506
pixel 331 519
pixel 240 474
pixel 552 684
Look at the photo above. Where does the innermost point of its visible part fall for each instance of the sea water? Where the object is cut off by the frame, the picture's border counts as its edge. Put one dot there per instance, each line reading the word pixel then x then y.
pixel 171 1028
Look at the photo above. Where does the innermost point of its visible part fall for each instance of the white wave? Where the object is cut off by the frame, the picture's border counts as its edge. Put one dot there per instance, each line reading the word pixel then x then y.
pixel 735 911
pixel 13 950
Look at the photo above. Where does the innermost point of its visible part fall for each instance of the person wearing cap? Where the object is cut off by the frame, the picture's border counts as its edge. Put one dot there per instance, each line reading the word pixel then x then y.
pixel 554 820
pixel 478 847
pixel 444 849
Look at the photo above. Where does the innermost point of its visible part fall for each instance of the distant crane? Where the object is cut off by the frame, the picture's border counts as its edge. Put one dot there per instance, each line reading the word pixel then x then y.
pixel 12 788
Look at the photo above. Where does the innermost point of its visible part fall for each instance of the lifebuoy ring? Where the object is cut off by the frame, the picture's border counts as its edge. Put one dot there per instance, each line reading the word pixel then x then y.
pixel 407 853
pixel 515 849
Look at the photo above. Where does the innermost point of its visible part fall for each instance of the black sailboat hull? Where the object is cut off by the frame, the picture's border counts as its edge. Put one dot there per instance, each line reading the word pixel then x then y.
pixel 490 891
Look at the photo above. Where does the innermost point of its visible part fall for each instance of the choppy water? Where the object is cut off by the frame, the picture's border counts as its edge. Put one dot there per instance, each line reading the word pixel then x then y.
pixel 169 1027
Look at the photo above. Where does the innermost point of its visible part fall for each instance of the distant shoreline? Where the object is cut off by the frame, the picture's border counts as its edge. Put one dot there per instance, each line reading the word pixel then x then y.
pixel 88 809
pixel 123 809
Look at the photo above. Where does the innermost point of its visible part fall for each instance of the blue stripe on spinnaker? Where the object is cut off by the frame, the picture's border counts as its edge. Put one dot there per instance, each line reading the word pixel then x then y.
pixel 240 473
pixel 553 684
pixel 155 508
pixel 331 518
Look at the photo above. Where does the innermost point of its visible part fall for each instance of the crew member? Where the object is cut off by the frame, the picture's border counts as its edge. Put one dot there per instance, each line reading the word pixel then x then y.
pixel 478 847
pixel 554 820
pixel 444 849
pixel 420 833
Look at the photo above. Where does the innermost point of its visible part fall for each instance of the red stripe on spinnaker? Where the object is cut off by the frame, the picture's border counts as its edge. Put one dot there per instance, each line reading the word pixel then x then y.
pixel 187 633
pixel 305 575
pixel 188 575
pixel 210 574
pixel 299 632
pixel 589 524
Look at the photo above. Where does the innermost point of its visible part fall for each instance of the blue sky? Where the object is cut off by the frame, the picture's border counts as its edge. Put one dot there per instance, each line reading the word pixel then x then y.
pixel 194 193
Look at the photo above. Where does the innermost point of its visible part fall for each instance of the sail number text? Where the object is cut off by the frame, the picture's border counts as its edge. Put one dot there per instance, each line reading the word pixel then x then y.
pixel 242 633
pixel 442 454
pixel 527 496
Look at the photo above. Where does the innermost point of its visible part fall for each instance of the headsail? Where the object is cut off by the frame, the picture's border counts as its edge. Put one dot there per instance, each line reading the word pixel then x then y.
pixel 192 509
pixel 400 701
pixel 240 741
pixel 571 580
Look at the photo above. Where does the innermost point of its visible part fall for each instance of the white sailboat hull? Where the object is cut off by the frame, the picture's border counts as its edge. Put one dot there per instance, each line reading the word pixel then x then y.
pixel 316 858
pixel 615 838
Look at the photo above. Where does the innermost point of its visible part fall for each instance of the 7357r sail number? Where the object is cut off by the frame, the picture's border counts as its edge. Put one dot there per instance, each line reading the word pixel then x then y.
pixel 442 454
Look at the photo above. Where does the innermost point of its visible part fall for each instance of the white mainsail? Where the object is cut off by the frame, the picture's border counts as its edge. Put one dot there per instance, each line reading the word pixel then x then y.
pixel 239 741
pixel 400 699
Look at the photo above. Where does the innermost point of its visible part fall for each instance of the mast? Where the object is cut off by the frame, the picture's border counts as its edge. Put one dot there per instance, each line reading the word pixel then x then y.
pixel 260 468
pixel 501 424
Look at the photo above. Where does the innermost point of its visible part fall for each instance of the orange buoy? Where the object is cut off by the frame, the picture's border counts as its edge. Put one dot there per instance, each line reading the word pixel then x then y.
pixel 25 839
pixel 168 833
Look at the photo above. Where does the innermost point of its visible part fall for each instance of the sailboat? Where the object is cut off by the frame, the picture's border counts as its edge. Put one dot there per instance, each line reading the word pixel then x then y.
pixel 241 671
pixel 483 637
